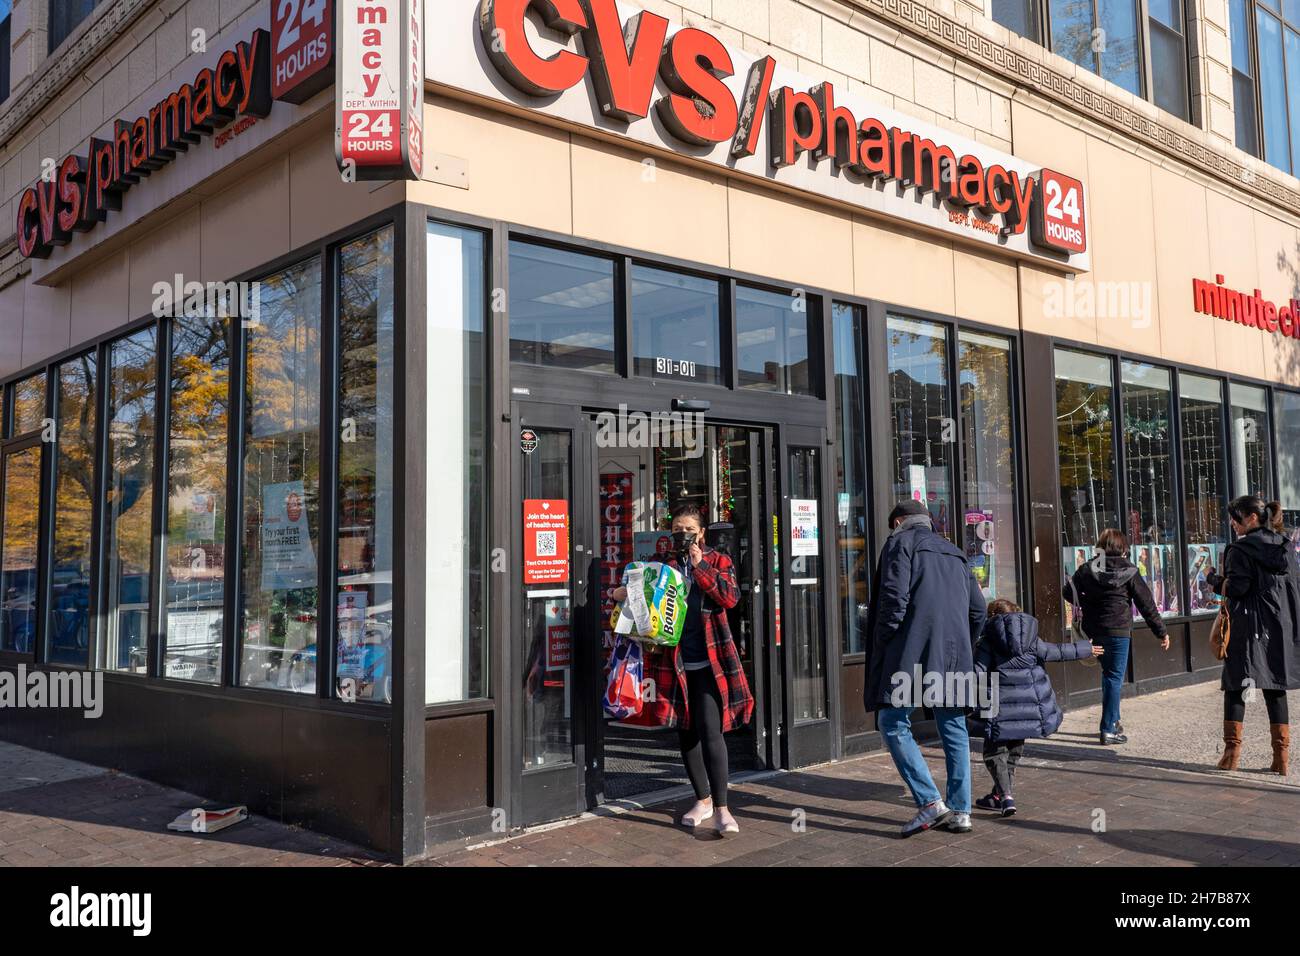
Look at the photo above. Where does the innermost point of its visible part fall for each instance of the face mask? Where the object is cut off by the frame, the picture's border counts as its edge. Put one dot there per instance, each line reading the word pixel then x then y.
pixel 682 541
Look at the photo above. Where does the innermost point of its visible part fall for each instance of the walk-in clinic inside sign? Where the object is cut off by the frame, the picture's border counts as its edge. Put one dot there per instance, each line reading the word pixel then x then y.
pixel 546 541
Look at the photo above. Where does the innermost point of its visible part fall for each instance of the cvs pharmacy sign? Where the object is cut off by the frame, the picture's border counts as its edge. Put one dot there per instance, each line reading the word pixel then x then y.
pixel 626 72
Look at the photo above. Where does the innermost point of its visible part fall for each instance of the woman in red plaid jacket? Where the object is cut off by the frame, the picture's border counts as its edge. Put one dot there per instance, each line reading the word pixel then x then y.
pixel 699 685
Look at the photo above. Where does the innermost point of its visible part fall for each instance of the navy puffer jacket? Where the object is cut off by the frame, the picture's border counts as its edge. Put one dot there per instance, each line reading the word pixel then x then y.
pixel 1026 706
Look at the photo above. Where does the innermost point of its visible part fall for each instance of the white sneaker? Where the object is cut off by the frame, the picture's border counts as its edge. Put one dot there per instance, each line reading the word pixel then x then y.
pixel 929 816
pixel 959 823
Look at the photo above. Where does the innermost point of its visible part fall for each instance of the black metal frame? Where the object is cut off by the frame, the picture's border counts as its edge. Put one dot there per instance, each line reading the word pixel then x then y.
pixel 1042 14
pixel 1116 358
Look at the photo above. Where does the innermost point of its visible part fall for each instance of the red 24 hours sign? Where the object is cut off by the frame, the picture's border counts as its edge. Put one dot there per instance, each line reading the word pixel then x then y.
pixel 380 97
pixel 1058 222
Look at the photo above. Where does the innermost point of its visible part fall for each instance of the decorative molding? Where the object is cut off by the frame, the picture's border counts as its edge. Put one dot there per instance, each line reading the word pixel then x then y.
pixel 934 27
pixel 109 22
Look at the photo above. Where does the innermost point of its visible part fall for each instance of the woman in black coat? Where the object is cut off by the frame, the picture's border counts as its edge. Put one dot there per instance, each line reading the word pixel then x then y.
pixel 1260 584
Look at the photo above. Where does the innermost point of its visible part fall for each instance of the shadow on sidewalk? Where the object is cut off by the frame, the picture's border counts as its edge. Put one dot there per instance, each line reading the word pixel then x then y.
pixel 1200 849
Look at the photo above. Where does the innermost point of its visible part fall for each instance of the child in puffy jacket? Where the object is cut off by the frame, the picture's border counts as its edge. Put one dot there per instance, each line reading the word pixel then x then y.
pixel 1026 705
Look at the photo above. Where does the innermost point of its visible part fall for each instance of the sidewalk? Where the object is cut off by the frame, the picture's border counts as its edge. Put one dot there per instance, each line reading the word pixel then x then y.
pixel 1156 801
pixel 58 812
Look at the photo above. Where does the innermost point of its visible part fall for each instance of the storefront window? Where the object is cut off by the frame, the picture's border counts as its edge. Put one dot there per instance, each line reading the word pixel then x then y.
pixel 561 308
pixel 805 622
pixel 21 475
pixel 675 326
pixel 989 483
pixel 1252 444
pixel 1286 412
pixel 128 529
pixel 281 506
pixel 920 414
pixel 29 404
pixel 364 615
pixel 1205 485
pixel 455 657
pixel 851 482
pixel 1149 473
pixel 196 500
pixel 68 628
pixel 772 351
pixel 1085 445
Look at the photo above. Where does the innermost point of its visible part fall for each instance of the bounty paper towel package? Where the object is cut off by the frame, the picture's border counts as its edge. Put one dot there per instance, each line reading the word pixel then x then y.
pixel 655 609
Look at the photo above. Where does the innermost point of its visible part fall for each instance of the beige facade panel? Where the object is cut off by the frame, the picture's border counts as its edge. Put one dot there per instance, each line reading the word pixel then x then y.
pixel 1183 254
pixel 518 170
pixel 902 268
pixel 782 238
pixel 650 204
pixel 989 289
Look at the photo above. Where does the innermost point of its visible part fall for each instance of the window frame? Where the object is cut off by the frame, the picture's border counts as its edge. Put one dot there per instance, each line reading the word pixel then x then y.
pixel 1257 87
pixel 1042 14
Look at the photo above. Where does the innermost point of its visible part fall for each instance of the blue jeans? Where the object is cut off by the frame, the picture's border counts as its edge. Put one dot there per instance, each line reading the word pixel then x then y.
pixel 1114 665
pixel 895 725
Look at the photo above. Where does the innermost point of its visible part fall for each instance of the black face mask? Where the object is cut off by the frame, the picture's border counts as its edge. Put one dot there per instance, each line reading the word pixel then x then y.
pixel 682 541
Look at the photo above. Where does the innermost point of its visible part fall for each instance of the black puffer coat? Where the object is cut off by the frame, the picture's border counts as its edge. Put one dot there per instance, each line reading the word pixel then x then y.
pixel 1261 586
pixel 1026 705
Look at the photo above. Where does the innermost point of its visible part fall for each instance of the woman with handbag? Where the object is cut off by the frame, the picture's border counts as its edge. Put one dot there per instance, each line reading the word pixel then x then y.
pixel 1260 585
pixel 700 686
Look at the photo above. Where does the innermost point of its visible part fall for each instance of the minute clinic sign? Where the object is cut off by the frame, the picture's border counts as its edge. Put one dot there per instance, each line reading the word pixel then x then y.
pixel 379 99
pixel 629 73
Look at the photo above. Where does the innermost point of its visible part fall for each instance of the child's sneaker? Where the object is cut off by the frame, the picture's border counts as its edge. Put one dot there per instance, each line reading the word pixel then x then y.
pixel 1008 806
pixel 992 802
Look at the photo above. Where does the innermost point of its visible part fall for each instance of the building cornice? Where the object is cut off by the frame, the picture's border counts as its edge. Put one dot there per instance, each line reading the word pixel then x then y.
pixel 1013 66
pixel 106 25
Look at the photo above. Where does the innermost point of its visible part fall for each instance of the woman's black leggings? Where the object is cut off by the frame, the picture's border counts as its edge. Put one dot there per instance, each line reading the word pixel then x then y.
pixel 1234 706
pixel 704 750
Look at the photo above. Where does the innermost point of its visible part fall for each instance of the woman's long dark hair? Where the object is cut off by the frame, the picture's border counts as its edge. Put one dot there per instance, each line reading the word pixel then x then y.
pixel 1269 513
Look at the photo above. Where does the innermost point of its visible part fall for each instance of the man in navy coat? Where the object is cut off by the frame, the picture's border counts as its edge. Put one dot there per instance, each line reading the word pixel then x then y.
pixel 926 614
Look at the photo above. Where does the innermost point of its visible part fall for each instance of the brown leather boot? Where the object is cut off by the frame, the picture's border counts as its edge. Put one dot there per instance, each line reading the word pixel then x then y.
pixel 1231 745
pixel 1281 734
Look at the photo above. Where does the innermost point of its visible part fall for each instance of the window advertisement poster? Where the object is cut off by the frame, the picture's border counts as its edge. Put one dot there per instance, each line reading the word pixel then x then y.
pixel 805 536
pixel 546 541
pixel 559 637
pixel 1201 560
pixel 288 561
pixel 201 523
pixel 616 507
pixel 363 651
pixel 1158 565
pixel 980 547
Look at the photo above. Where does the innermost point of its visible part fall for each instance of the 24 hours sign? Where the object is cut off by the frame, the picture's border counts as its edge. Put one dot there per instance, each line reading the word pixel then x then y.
pixel 379 121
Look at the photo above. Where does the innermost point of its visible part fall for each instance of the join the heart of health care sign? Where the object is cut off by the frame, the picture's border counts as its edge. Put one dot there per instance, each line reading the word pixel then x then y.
pixel 546 541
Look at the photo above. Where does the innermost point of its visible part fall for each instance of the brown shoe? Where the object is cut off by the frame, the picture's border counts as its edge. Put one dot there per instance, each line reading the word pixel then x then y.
pixel 1231 745
pixel 1281 734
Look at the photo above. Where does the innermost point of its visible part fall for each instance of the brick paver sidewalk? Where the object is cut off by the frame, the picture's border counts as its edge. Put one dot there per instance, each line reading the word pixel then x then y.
pixel 57 812
pixel 1156 802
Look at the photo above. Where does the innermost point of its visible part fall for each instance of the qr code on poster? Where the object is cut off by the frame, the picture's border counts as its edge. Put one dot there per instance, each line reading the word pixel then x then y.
pixel 546 544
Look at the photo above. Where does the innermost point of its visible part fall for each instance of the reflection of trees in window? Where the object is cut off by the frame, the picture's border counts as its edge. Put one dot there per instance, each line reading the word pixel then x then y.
pixel 281 447
pixel 132 386
pixel 1204 477
pixel 68 634
pixel 921 420
pixel 1087 461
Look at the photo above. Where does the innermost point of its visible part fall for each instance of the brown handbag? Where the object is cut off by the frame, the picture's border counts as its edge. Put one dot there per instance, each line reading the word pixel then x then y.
pixel 1220 633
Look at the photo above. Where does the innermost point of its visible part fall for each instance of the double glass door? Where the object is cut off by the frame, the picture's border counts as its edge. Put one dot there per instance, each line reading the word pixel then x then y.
pixel 595 492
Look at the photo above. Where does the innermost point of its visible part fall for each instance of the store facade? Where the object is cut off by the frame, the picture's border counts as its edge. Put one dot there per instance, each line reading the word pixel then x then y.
pixel 330 479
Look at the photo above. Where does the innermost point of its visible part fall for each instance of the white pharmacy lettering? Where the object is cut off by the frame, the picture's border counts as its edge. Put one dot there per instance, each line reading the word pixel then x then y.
pixel 626 429
pixel 75 909
pixel 976 690
pixel 82 690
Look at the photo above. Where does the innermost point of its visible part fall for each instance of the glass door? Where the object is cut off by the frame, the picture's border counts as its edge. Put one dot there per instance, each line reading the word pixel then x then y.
pixel 556 629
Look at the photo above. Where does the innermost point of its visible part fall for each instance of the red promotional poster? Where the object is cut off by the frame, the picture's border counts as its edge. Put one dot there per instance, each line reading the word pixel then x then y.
pixel 616 507
pixel 559 639
pixel 302 48
pixel 546 541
